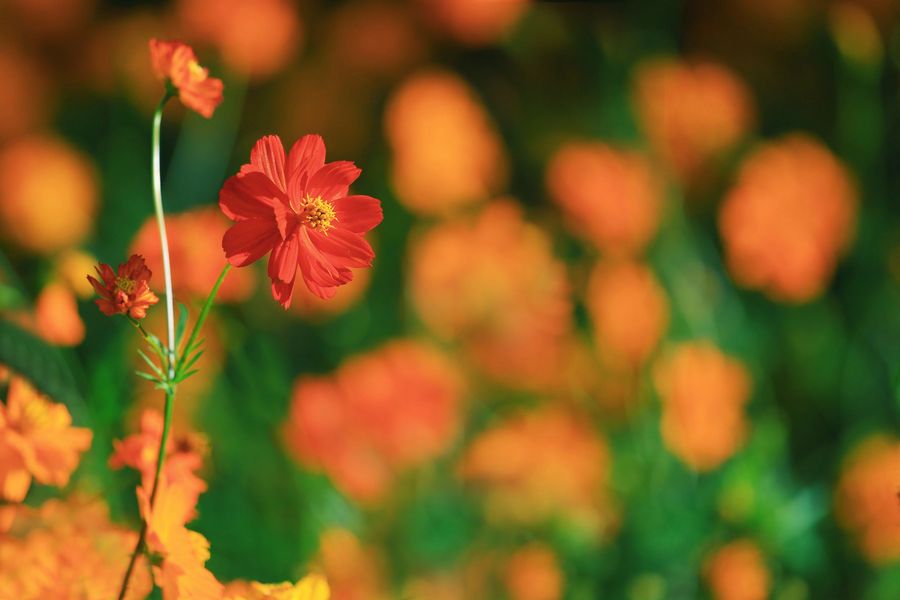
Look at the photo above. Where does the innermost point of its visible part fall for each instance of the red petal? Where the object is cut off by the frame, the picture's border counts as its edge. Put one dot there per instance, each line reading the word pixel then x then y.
pixel 268 157
pixel 250 196
pixel 316 267
pixel 333 180
pixel 358 214
pixel 247 241
pixel 283 291
pixel 306 157
pixel 344 248
pixel 283 261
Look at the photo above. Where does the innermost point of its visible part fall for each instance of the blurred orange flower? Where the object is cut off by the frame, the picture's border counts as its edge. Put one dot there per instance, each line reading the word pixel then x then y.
pixel 391 409
pixel 693 113
pixel 474 22
pixel 195 251
pixel 788 219
pixel 737 571
pixel 175 64
pixel 446 152
pixel 467 283
pixel 125 291
pixel 36 440
pixel 866 503
pixel 48 194
pixel 609 196
pixel 184 457
pixel 703 393
pixel 256 38
pixel 532 573
pixel 69 549
pixel 628 309
pixel 541 464
pixel 179 553
pixel 56 316
pixel 354 571
pixel 70 268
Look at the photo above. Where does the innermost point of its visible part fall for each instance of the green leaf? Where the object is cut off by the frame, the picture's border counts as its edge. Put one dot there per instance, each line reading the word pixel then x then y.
pixel 147 376
pixel 184 376
pixel 190 362
pixel 40 363
pixel 182 324
pixel 152 364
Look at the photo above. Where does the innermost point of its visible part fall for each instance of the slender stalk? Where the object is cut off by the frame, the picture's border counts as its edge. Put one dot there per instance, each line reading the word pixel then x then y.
pixel 170 322
pixel 201 318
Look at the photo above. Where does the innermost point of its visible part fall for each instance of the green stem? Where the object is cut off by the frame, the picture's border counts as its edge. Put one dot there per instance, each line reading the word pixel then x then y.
pixel 170 321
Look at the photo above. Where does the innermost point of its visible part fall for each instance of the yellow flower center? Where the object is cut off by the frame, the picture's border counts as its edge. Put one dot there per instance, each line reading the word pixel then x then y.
pixel 318 214
pixel 195 70
pixel 126 285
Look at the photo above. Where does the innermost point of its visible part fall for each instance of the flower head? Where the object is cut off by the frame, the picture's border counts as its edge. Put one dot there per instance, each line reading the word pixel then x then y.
pixel 737 571
pixel 126 291
pixel 175 64
pixel 297 208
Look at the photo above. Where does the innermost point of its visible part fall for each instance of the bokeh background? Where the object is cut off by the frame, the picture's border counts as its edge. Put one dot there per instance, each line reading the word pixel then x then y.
pixel 633 328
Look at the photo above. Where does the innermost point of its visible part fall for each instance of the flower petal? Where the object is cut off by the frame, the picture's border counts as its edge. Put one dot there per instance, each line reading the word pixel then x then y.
pixel 250 196
pixel 267 157
pixel 333 180
pixel 247 241
pixel 307 156
pixel 283 291
pixel 283 260
pixel 358 214
pixel 317 268
pixel 344 248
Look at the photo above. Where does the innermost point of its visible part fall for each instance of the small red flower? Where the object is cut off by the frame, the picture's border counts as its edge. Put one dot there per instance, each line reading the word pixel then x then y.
pixel 176 64
pixel 126 292
pixel 298 209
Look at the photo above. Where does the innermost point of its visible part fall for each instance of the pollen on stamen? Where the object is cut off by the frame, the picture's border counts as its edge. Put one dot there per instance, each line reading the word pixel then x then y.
pixel 125 284
pixel 319 214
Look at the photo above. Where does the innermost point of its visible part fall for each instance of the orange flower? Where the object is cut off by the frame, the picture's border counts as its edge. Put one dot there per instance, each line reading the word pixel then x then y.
pixel 536 465
pixel 866 502
pixel 354 570
pixel 196 255
pixel 69 549
pixel 532 573
pixel 391 409
pixel 48 194
pixel 788 219
pixel 629 311
pixel 611 197
pixel 70 268
pixel 446 152
pixel 703 393
pixel 738 571
pixel 693 113
pixel 126 291
pixel 256 38
pixel 474 22
pixel 36 440
pixel 175 64
pixel 180 554
pixel 184 457
pixel 467 283
pixel 56 316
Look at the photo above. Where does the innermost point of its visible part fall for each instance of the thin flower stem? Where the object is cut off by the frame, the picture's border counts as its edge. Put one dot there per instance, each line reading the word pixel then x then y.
pixel 170 322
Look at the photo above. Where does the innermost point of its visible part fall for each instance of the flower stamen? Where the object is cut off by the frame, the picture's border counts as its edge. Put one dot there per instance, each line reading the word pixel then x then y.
pixel 317 213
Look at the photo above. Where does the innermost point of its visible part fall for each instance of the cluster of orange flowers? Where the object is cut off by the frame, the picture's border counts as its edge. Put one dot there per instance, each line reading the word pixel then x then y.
pixel 513 323
pixel 737 571
pixel 381 413
pixel 541 464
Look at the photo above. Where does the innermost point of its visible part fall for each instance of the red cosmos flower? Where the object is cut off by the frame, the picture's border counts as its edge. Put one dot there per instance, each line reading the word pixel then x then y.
pixel 299 210
pixel 126 292
pixel 175 63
